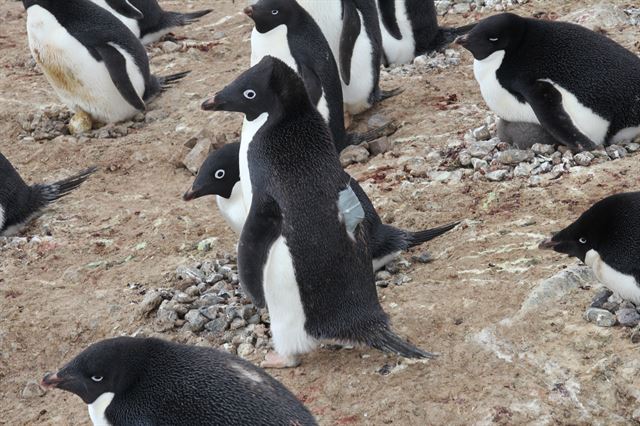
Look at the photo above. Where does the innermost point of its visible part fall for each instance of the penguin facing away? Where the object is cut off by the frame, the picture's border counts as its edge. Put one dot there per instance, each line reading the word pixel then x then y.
pixel 607 238
pixel 20 203
pixel 572 81
pixel 96 66
pixel 146 19
pixel 300 254
pixel 145 381
pixel 219 175
pixel 410 28
pixel 283 29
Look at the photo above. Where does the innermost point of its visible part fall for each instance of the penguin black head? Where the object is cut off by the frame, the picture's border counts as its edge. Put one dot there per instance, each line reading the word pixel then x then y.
pixel 43 3
pixel 218 174
pixel 269 86
pixel 495 33
pixel 609 225
pixel 112 365
pixel 269 14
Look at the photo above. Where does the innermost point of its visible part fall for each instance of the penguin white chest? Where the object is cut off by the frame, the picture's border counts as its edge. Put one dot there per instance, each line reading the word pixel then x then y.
pixel 399 51
pixel 77 77
pixel 131 23
pixel 273 43
pixel 624 285
pixel 282 295
pixel 249 129
pixel 98 407
pixel 232 209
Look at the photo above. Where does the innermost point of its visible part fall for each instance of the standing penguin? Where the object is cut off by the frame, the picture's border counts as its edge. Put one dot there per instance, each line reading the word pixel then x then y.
pixel 303 250
pixel 146 19
pixel 98 68
pixel 283 29
pixel 353 31
pixel 219 175
pixel 607 238
pixel 572 81
pixel 410 28
pixel 144 381
pixel 19 202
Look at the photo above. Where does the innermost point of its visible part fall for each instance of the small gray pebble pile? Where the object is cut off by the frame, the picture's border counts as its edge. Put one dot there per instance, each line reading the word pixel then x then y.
pixel 608 309
pixel 465 6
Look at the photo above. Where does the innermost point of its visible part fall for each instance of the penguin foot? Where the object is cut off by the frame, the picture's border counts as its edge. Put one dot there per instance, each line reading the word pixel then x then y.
pixel 275 360
pixel 81 122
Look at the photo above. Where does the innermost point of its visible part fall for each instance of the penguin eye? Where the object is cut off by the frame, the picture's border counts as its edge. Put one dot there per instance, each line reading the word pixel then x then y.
pixel 583 240
pixel 219 174
pixel 493 39
pixel 249 94
pixel 97 378
pixel 275 12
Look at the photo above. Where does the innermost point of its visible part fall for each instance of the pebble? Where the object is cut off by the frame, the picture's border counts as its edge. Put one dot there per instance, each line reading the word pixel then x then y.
pixel 583 158
pixel 497 175
pixel 32 390
pixel 150 302
pixel 514 156
pixel 600 317
pixel 353 154
pixel 543 149
pixel 481 133
pixel 628 317
pixel 195 320
pixel 245 349
pixel 616 151
pixel 601 297
pixel 483 148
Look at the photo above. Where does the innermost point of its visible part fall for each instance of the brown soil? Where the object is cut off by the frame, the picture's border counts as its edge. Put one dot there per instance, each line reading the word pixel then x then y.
pixel 55 299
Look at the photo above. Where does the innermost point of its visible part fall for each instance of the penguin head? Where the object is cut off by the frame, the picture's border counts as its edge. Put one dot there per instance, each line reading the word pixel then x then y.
pixel 269 86
pixel 575 240
pixel 218 174
pixel 112 365
pixel 45 4
pixel 493 34
pixel 269 14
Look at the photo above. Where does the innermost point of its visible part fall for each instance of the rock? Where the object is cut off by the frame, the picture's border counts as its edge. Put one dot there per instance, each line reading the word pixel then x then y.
pixel 628 317
pixel 379 146
pixel 602 16
pixel 170 47
pixel 197 155
pixel 464 158
pixel 149 303
pixel 353 154
pixel 237 323
pixel 483 148
pixel 245 349
pixel 497 175
pixel 217 326
pixel 600 317
pixel 189 276
pixel 601 297
pixel 423 257
pixel 481 133
pixel 635 337
pixel 542 149
pixel 479 164
pixel 80 123
pixel 632 147
pixel 583 158
pixel 182 297
pixel 165 318
pixel 195 320
pixel 514 156
pixel 32 390
pixel 522 169
pixel 616 151
pixel 207 244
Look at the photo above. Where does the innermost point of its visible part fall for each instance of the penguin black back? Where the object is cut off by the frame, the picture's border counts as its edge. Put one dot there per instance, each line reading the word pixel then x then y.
pixel 159 382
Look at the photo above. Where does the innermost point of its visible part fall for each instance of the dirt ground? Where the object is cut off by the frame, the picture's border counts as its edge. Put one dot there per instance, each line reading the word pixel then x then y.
pixel 498 364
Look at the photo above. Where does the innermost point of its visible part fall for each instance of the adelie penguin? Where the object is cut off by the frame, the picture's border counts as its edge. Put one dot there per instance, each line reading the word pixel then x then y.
pixel 97 67
pixel 410 28
pixel 607 238
pixel 219 175
pixel 146 19
pixel 20 203
pixel 573 82
pixel 283 29
pixel 144 381
pixel 303 250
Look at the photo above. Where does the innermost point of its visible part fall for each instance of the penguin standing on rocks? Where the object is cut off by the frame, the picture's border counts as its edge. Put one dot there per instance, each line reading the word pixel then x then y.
pixel 20 203
pixel 352 30
pixel 572 81
pixel 219 175
pixel 144 381
pixel 303 250
pixel 98 68
pixel 146 19
pixel 607 238
pixel 283 29
pixel 410 28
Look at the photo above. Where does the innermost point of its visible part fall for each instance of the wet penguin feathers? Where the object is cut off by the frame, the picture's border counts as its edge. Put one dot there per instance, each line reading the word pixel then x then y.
pixel 152 381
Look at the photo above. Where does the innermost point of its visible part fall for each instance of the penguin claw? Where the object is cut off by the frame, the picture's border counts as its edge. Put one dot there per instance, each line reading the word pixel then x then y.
pixel 275 360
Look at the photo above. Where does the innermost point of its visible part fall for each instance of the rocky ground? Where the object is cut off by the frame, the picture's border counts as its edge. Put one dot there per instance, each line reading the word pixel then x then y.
pixel 525 336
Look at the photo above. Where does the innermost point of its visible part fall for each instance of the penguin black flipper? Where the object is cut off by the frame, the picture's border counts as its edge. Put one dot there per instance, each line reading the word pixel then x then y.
pixel 260 231
pixel 351 27
pixel 125 8
pixel 388 14
pixel 117 67
pixel 546 102
pixel 312 83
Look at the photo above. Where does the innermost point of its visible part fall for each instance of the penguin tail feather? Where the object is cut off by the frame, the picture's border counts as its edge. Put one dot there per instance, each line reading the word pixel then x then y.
pixel 51 192
pixel 420 237
pixel 168 81
pixel 447 35
pixel 387 341
pixel 373 134
pixel 386 94
pixel 181 19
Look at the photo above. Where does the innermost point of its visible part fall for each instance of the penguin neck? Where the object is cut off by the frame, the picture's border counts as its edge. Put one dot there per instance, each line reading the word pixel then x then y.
pixel 98 408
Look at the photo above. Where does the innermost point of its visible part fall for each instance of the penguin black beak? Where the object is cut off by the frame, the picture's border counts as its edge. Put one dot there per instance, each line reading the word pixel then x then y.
pixel 50 381
pixel 462 40
pixel 211 104
pixel 190 195
pixel 548 244
pixel 248 11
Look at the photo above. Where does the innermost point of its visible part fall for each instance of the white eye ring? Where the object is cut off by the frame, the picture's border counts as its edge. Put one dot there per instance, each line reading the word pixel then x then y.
pixel 249 94
pixel 219 174
pixel 275 12
pixel 97 378
pixel 493 39
pixel 583 240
